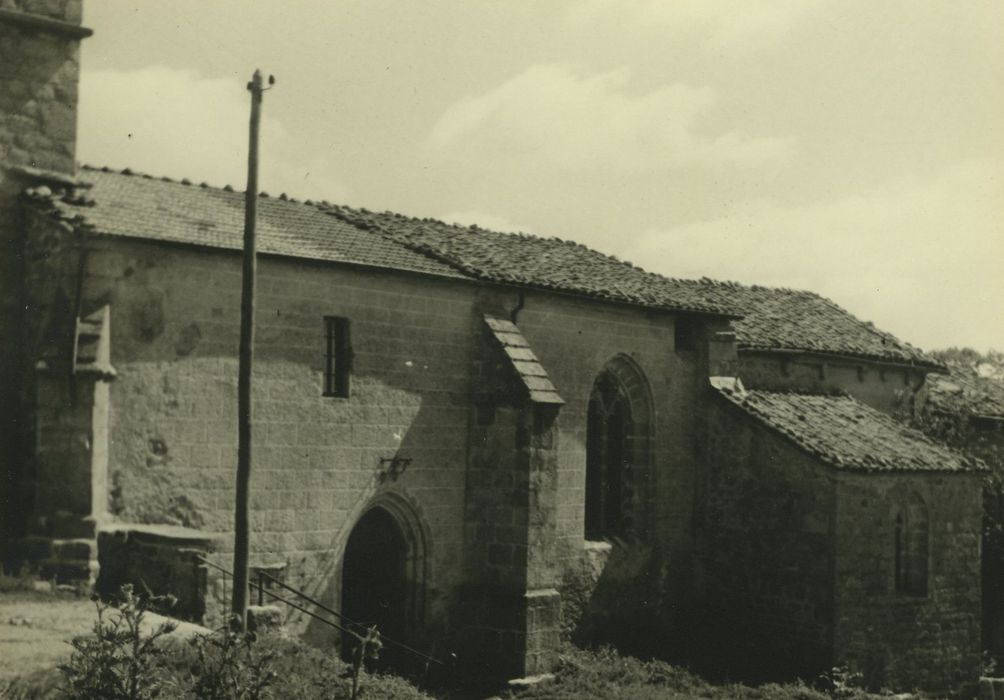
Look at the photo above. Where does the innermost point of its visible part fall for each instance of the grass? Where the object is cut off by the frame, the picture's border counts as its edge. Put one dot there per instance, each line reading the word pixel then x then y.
pixel 35 628
pixel 604 674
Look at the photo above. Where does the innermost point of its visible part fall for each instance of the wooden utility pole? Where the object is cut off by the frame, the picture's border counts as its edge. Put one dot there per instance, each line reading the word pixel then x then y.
pixel 242 540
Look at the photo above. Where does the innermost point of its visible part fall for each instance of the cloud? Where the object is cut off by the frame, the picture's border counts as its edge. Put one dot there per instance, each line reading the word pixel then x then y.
pixel 176 123
pixel 717 23
pixel 548 116
pixel 921 258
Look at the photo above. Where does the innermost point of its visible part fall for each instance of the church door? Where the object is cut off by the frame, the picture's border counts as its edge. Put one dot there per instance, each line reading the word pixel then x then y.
pixel 373 582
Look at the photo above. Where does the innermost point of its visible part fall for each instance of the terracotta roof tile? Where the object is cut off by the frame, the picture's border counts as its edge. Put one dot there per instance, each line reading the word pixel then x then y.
pixel 135 206
pixel 847 434
pixel 545 263
pixel 128 204
pixel 789 319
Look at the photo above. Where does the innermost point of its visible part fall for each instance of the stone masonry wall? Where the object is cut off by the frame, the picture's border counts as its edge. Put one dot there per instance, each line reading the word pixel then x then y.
pixel 174 331
pixel 160 559
pixel 38 99
pixel 887 388
pixel 50 524
pixel 38 88
pixel 641 586
pixel 765 521
pixel 905 641
pixel 172 446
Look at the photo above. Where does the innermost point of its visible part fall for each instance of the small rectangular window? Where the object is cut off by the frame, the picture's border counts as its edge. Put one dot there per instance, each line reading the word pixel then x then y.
pixel 685 331
pixel 337 357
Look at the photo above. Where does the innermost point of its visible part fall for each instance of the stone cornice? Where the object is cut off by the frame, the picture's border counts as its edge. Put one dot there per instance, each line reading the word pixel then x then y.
pixel 44 24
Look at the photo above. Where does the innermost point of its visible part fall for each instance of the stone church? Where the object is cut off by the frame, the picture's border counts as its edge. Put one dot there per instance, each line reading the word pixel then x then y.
pixel 483 441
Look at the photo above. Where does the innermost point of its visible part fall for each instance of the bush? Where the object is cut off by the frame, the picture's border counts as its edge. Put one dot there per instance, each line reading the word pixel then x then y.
pixel 603 673
pixel 119 662
pixel 230 665
pixel 124 660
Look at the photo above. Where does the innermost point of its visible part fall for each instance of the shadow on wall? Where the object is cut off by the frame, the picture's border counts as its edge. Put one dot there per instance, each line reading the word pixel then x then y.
pixel 318 459
pixel 620 593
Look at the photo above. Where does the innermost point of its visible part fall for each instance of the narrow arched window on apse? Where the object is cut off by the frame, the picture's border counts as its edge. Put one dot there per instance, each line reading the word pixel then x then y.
pixel 617 446
pixel 911 548
pixel 607 457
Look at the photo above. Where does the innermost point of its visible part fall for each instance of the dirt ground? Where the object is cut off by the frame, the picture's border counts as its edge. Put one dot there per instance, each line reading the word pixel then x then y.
pixel 35 628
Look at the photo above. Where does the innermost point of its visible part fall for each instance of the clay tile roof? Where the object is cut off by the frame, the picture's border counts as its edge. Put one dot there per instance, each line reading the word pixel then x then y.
pixel 847 434
pixel 966 391
pixel 529 370
pixel 545 263
pixel 128 204
pixel 789 319
pixel 133 206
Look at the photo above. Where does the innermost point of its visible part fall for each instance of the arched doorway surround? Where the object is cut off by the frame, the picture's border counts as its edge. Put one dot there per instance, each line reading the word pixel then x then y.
pixel 619 444
pixel 385 570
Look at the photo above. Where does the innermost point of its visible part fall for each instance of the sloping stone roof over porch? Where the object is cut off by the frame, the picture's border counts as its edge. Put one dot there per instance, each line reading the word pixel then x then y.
pixel 845 433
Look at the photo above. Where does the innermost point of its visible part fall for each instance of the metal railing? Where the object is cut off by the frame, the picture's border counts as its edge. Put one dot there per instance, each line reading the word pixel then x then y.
pixel 262 576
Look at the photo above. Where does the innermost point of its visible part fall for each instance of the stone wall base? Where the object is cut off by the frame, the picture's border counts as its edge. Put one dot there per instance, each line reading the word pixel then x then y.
pixel 157 560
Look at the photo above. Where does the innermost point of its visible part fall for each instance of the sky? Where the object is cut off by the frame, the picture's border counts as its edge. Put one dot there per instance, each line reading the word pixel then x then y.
pixel 850 147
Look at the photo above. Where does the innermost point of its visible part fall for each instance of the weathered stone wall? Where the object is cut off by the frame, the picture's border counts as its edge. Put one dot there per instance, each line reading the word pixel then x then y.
pixel 159 560
pixel 38 100
pixel 511 598
pixel 899 640
pixel 52 490
pixel 885 387
pixel 38 88
pixel 765 532
pixel 317 460
pixel 645 583
pixel 172 447
pixel 11 305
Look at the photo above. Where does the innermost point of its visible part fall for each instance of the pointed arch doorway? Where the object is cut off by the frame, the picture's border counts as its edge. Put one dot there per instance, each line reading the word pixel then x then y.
pixel 383 578
pixel 373 579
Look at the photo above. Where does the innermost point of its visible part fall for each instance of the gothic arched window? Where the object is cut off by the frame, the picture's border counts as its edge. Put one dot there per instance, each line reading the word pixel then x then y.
pixel 608 458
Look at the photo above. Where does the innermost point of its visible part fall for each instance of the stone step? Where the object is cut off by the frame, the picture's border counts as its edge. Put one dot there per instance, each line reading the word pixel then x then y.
pixel 68 570
pixel 75 549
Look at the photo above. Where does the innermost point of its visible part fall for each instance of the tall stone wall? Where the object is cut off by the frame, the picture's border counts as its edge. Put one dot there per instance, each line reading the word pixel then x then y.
pixel 39 70
pixel 174 330
pixel 635 591
pixel 765 529
pixel 900 640
pixel 888 388
pixel 317 460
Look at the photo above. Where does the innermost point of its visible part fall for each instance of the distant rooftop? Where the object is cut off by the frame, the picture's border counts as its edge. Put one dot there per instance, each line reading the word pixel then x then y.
pixel 846 433
pixel 790 319
pixel 966 392
pixel 140 206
